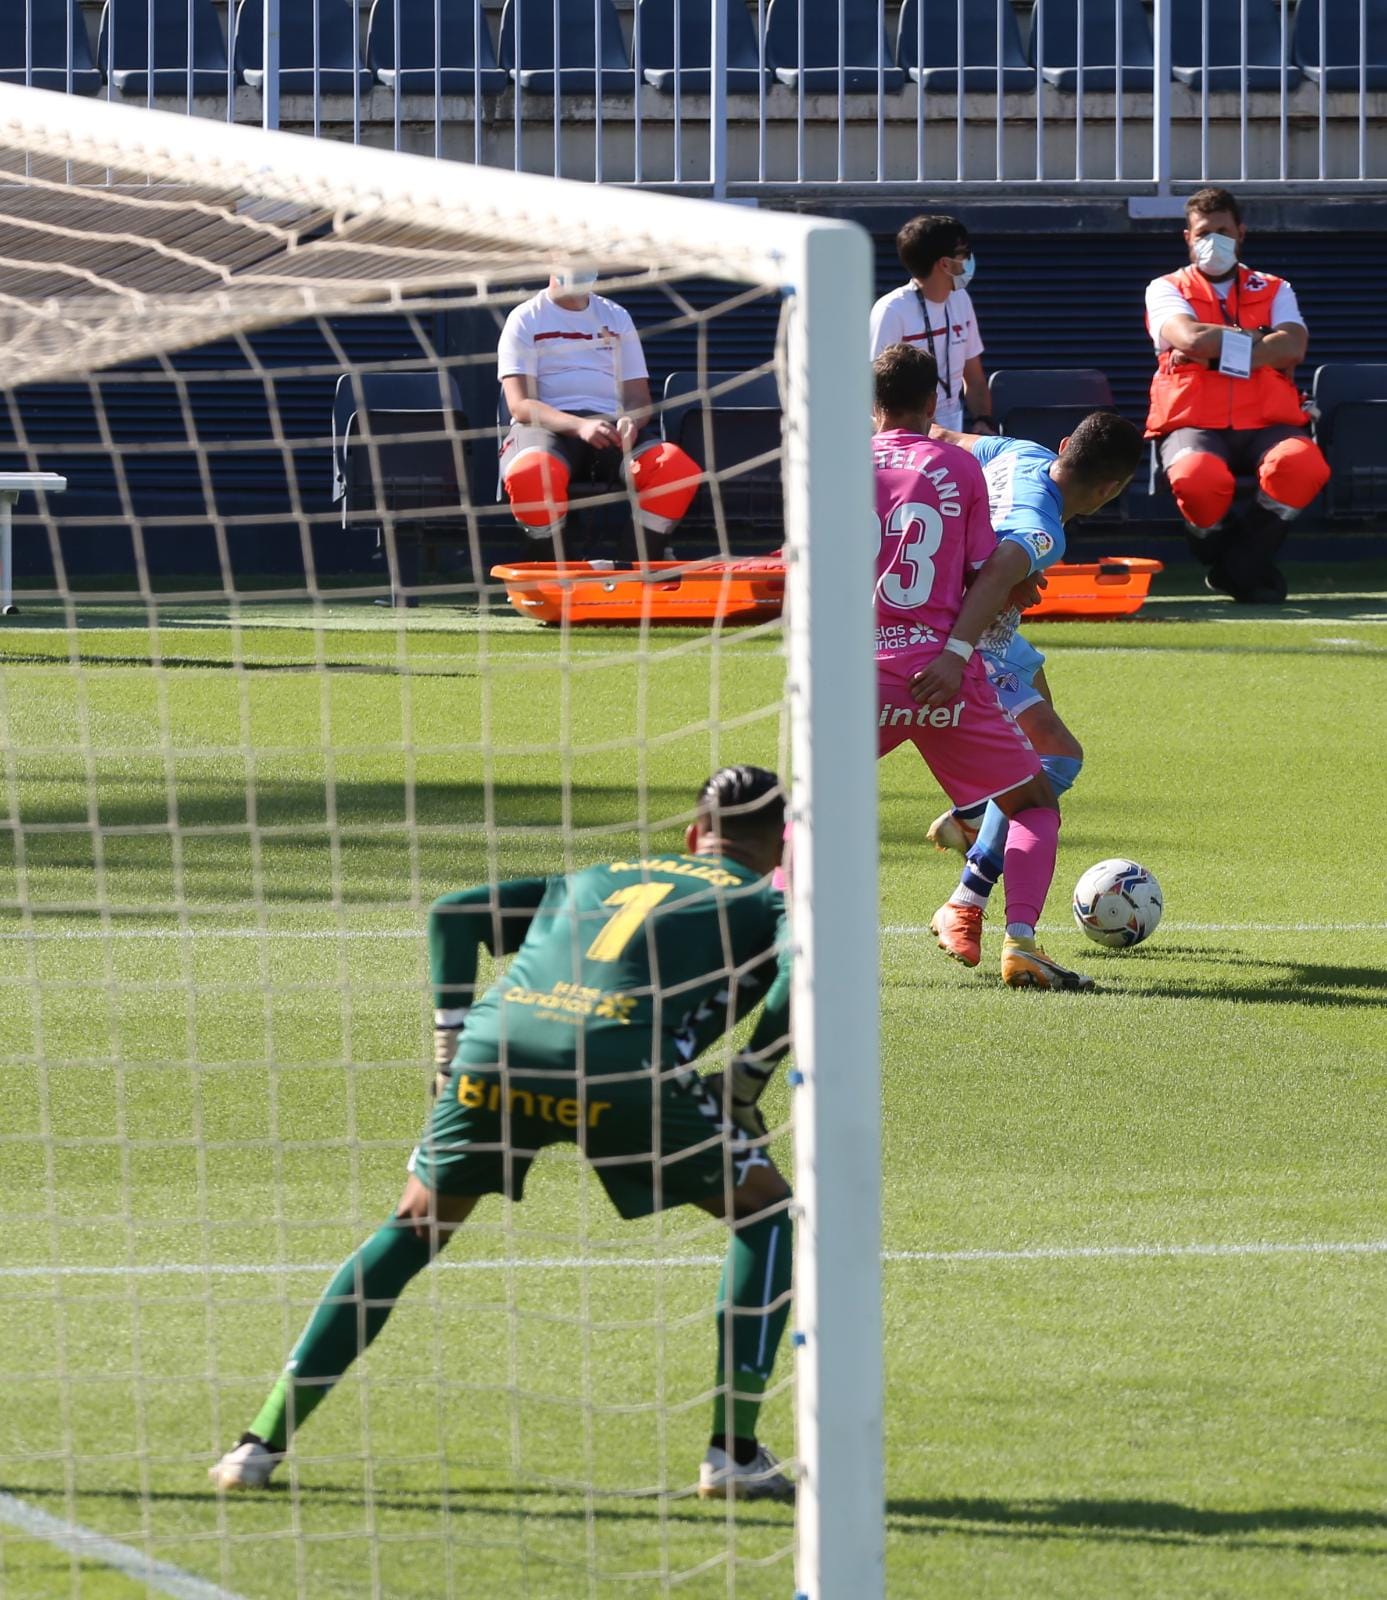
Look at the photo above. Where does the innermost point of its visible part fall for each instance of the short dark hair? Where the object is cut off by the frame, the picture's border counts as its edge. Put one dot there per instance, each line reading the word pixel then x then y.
pixel 904 377
pixel 926 240
pixel 1104 448
pixel 1208 201
pixel 743 803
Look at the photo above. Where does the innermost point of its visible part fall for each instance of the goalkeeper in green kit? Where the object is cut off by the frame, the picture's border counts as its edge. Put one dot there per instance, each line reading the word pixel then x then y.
pixel 623 974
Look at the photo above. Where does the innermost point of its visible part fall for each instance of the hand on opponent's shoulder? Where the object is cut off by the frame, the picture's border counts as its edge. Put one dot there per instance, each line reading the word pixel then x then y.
pixel 948 436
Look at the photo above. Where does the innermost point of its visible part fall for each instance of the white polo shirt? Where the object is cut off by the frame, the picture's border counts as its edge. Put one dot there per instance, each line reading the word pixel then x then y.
pixel 576 360
pixel 1164 300
pixel 899 318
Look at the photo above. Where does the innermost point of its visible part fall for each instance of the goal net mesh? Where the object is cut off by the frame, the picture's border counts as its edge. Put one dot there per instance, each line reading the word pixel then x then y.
pixel 262 701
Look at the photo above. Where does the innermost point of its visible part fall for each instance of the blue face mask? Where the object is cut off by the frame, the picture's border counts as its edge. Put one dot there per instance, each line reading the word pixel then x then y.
pixel 964 278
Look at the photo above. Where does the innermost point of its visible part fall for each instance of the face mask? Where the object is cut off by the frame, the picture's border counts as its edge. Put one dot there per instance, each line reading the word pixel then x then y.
pixel 570 281
pixel 964 278
pixel 1216 254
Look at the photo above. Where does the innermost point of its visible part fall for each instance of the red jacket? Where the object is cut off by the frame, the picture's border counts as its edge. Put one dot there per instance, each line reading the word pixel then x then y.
pixel 1192 396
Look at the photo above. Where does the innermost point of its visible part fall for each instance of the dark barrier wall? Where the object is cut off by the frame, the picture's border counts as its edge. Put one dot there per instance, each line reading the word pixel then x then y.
pixel 1043 298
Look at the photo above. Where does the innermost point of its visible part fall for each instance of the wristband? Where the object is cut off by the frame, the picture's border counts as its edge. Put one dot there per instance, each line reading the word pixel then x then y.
pixel 959 647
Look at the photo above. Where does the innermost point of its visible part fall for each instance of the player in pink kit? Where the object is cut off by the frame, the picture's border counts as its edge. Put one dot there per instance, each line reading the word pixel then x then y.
pixel 939 585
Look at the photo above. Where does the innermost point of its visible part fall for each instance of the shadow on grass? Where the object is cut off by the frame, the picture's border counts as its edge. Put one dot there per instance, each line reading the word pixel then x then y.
pixel 1286 982
pixel 1142 1521
pixel 372 849
pixel 484 1501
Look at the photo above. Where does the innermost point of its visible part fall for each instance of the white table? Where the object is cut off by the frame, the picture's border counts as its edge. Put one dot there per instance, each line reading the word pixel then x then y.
pixel 12 485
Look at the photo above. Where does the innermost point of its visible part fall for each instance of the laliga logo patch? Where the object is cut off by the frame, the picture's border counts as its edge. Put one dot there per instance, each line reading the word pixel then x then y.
pixel 1007 681
pixel 1042 544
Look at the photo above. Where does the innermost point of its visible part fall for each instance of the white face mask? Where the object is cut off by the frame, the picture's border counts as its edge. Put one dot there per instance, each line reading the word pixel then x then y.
pixel 1215 254
pixel 964 278
pixel 568 280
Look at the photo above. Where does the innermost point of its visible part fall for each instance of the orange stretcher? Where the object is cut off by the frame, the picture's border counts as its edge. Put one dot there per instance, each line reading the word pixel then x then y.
pixel 665 592
pixel 753 590
pixel 1114 586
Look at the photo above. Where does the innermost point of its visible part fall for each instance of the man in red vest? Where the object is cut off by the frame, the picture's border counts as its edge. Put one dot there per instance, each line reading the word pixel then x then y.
pixel 1223 401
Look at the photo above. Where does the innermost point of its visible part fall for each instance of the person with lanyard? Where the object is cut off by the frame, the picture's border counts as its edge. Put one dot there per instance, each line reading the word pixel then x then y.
pixel 1223 401
pixel 935 313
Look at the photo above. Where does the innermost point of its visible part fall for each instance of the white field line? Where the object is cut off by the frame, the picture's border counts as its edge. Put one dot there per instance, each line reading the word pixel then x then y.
pixel 157 1577
pixel 617 1263
pixel 892 930
pixel 1192 927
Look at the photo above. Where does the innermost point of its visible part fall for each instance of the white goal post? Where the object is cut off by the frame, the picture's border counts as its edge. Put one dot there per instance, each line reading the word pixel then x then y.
pixel 312 227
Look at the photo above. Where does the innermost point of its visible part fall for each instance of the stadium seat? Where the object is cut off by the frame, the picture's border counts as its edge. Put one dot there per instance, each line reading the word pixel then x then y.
pixel 564 46
pixel 723 430
pixel 331 63
pixel 1047 403
pixel 38 44
pixel 1054 44
pixel 1351 402
pixel 1224 50
pixel 396 474
pixel 927 47
pixel 695 21
pixel 1342 52
pixel 123 49
pixel 410 487
pixel 466 61
pixel 850 32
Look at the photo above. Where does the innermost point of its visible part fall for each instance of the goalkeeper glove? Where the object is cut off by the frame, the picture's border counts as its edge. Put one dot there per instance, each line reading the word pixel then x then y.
pixel 738 1090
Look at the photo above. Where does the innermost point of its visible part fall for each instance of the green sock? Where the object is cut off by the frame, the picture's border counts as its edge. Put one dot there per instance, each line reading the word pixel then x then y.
pixel 754 1298
pixel 352 1311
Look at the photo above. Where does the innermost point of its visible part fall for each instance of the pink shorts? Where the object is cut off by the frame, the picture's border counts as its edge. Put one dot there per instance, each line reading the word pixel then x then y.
pixel 972 746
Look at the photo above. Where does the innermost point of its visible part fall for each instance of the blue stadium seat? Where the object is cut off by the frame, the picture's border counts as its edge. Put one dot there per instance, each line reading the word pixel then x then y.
pixel 1045 404
pixel 123 47
pixel 467 59
pixel 861 48
pixel 563 46
pixel 338 55
pixel 927 46
pixel 1054 44
pixel 38 40
pixel 396 474
pixel 656 37
pixel 1351 401
pixel 1341 43
pixel 722 431
pixel 1224 52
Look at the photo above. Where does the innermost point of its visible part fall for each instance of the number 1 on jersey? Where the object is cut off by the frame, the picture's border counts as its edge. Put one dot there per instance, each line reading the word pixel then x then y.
pixel 636 902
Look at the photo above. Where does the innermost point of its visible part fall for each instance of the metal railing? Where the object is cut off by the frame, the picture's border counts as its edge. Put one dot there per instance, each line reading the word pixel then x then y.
pixel 738 97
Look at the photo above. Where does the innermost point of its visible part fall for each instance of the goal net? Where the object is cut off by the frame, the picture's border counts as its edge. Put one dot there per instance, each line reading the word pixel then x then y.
pixel 279 673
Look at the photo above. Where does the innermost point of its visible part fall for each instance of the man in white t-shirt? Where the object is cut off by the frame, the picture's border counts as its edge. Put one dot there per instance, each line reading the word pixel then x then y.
pixel 934 312
pixel 1224 401
pixel 576 385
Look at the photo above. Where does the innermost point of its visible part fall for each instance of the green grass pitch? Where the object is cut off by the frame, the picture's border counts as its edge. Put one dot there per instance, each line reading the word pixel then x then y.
pixel 1136 1282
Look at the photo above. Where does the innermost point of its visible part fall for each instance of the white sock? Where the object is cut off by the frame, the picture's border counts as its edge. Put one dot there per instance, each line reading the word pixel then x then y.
pixel 1020 930
pixel 967 897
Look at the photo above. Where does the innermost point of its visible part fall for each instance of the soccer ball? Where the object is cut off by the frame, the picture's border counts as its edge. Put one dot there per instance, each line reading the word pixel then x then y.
pixel 1117 903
